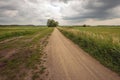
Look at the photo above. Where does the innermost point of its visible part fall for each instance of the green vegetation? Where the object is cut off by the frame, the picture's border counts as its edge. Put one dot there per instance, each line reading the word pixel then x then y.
pixel 27 52
pixel 8 32
pixel 52 23
pixel 103 43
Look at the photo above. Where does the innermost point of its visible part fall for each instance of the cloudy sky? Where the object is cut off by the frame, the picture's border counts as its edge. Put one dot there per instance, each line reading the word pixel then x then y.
pixel 67 12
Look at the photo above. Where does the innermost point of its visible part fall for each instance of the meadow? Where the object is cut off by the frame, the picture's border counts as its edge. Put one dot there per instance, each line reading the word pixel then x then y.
pixel 103 43
pixel 21 52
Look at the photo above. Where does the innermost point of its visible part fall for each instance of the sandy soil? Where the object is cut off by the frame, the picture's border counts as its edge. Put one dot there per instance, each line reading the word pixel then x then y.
pixel 66 61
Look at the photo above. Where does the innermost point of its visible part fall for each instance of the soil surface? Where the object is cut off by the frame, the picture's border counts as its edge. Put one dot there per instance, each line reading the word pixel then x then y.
pixel 66 61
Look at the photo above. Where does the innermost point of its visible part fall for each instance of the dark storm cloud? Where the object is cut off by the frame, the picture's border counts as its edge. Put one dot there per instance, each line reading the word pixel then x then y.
pixel 7 10
pixel 65 1
pixel 13 11
pixel 38 11
pixel 102 11
pixel 95 9
pixel 25 11
pixel 8 5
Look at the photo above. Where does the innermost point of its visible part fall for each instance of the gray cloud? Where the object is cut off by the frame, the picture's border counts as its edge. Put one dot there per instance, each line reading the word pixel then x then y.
pixel 22 11
pixel 95 9
pixel 65 11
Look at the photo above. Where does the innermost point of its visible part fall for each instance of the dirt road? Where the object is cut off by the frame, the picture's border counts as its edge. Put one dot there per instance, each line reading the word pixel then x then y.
pixel 66 61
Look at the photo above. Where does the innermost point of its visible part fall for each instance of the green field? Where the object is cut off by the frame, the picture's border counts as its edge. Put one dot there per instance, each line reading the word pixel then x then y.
pixel 103 43
pixel 21 50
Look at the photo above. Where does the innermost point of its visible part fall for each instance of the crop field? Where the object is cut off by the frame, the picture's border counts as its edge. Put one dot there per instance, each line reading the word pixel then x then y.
pixel 21 52
pixel 103 43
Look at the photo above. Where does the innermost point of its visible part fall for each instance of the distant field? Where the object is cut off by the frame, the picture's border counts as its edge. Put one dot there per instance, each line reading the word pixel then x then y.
pixel 103 43
pixel 104 31
pixel 21 50
pixel 9 32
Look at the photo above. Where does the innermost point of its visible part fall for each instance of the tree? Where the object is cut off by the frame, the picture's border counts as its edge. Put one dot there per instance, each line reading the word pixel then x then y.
pixel 52 23
pixel 84 25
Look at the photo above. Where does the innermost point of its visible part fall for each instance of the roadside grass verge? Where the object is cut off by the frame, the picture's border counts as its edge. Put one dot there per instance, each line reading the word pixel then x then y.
pixel 104 48
pixel 25 59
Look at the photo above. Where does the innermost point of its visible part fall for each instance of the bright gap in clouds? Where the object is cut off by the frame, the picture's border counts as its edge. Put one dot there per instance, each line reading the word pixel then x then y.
pixel 67 12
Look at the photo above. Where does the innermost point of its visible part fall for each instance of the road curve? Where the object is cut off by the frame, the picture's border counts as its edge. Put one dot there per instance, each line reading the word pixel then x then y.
pixel 66 61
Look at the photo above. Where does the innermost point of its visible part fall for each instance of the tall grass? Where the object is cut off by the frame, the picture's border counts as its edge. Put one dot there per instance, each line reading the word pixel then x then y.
pixel 104 48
